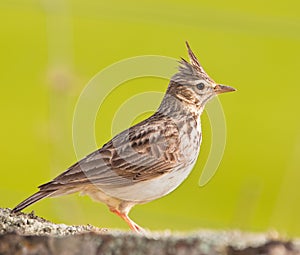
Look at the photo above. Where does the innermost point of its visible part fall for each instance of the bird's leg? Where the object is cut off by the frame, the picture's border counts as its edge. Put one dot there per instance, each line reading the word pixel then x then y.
pixel 133 226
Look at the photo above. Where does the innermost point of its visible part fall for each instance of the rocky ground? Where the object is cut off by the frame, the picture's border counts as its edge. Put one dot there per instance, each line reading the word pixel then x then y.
pixel 29 234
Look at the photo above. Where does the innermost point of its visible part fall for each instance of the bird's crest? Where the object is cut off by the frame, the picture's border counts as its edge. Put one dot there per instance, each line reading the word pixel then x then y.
pixel 190 70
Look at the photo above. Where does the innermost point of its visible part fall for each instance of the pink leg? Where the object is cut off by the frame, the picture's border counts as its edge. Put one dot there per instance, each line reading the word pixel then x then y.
pixel 130 223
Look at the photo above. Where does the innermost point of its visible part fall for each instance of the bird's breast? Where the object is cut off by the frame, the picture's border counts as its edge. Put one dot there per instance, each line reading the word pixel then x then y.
pixel 190 140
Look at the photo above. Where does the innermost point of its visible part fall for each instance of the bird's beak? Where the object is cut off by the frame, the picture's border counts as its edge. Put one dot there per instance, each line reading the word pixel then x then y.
pixel 222 89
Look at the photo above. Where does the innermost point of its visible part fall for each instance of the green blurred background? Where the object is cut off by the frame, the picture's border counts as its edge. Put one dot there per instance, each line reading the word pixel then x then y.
pixel 51 49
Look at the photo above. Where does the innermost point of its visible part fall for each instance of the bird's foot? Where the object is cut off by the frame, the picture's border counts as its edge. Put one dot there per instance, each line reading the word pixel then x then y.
pixel 133 226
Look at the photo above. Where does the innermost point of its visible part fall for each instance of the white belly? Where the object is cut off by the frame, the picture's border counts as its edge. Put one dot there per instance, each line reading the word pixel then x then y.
pixel 145 191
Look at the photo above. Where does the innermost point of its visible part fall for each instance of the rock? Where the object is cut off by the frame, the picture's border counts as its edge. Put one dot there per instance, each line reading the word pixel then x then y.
pixel 28 234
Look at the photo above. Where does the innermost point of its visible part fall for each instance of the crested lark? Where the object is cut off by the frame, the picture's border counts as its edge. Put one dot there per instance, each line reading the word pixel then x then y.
pixel 148 160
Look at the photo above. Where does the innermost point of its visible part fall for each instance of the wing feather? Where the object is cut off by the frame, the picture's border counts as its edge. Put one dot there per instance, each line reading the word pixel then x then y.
pixel 138 154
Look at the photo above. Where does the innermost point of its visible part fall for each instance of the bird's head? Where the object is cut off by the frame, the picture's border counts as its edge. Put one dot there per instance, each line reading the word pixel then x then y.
pixel 191 84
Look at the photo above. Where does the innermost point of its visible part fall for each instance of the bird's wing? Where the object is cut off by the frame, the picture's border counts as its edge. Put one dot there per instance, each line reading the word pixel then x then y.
pixel 142 152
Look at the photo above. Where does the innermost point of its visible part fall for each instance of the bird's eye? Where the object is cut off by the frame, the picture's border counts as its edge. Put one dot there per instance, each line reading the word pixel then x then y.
pixel 200 86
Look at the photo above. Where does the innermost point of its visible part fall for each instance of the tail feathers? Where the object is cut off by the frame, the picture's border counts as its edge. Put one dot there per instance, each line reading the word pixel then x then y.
pixel 32 199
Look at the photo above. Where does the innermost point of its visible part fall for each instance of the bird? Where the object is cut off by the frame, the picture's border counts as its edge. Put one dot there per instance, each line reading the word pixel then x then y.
pixel 148 160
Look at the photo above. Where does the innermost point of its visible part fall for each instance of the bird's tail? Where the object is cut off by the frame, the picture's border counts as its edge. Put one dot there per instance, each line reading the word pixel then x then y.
pixel 32 199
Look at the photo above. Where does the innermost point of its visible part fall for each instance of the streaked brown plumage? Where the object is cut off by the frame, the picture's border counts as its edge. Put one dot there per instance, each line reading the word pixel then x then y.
pixel 148 160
